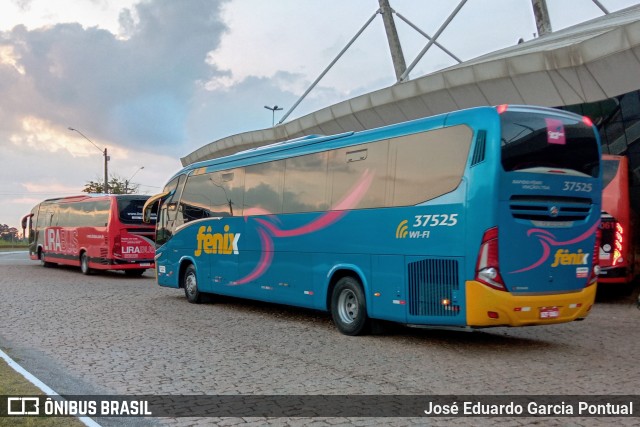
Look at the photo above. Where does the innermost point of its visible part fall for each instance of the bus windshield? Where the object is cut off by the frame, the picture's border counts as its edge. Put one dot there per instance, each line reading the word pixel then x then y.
pixel 545 140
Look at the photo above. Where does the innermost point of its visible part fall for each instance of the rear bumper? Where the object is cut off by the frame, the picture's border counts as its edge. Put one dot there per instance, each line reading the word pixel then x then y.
pixel 615 275
pixel 118 264
pixel 523 310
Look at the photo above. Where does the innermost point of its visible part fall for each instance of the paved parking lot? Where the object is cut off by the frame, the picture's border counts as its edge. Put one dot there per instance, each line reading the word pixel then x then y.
pixel 109 334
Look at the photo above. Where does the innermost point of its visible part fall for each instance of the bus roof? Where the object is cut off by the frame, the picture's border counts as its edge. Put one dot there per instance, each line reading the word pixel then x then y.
pixel 304 145
pixel 89 196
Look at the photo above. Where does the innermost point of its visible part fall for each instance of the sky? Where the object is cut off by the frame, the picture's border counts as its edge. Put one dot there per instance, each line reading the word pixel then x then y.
pixel 153 80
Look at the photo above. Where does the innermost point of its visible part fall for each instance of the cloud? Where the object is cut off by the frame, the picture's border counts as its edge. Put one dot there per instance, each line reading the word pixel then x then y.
pixel 23 4
pixel 214 113
pixel 134 88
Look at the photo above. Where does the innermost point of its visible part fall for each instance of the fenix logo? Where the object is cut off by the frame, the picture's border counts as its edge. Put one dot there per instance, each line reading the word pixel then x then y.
pixel 564 257
pixel 217 243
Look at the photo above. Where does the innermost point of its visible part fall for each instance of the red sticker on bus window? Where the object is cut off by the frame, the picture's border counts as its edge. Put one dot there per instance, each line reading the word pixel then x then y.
pixel 555 132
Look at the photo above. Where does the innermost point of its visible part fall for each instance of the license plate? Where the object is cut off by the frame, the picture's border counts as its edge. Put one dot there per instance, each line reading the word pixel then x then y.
pixel 145 264
pixel 549 312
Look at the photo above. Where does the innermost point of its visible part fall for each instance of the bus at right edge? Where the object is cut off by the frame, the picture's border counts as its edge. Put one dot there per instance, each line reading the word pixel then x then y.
pixel 617 249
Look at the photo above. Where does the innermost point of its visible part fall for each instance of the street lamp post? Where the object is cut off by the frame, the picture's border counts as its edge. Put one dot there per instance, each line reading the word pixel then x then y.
pixel 106 159
pixel 273 113
pixel 126 183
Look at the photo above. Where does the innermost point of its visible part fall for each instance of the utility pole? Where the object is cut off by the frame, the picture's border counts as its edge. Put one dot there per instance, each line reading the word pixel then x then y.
pixel 106 159
pixel 542 17
pixel 106 173
pixel 397 56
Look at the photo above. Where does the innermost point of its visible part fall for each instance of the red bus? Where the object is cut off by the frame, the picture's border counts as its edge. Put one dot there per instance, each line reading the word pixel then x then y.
pixel 617 249
pixel 93 232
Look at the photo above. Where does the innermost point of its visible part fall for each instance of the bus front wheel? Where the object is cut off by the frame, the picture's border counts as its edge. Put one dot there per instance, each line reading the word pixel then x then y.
pixel 348 307
pixel 190 282
pixel 44 263
pixel 84 264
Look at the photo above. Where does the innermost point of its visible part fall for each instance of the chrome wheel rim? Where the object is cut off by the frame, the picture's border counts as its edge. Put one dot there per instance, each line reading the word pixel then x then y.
pixel 348 306
pixel 190 284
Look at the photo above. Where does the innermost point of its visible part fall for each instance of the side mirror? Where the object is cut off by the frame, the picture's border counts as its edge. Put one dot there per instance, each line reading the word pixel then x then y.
pixel 146 214
pixel 25 222
pixel 151 204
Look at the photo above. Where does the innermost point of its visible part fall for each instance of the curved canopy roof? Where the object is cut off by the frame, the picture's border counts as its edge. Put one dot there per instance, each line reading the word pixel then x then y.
pixel 589 62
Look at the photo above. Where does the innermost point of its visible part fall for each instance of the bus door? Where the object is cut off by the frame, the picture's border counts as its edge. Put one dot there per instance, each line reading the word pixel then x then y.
pixel 549 207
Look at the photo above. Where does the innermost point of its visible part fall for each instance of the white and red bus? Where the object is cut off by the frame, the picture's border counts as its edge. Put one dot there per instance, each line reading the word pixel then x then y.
pixel 93 232
pixel 617 249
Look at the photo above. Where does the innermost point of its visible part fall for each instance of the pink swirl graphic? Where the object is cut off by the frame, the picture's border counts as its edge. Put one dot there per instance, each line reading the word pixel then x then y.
pixel 350 201
pixel 265 259
pixel 548 239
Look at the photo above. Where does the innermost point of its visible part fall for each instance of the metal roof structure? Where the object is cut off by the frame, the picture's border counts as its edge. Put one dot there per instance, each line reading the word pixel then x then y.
pixel 588 62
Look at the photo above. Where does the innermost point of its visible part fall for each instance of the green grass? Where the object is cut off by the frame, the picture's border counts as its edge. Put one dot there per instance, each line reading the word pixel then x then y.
pixel 14 384
pixel 5 246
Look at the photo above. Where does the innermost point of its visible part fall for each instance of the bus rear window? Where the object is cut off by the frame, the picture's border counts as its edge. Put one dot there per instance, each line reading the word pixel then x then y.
pixel 130 210
pixel 609 171
pixel 532 140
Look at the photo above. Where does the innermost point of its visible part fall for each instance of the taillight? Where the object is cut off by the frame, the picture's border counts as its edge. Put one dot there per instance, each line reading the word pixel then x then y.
pixel 487 266
pixel 502 108
pixel 117 246
pixel 595 260
pixel 618 244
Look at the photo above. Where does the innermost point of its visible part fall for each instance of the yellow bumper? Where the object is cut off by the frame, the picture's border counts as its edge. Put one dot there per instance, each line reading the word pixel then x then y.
pixel 514 310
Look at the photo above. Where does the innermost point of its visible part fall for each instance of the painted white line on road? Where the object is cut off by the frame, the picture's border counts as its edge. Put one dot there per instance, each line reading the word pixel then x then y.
pixel 42 386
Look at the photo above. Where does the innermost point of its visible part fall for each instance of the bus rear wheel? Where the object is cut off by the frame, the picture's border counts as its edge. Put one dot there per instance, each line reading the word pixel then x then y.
pixel 138 272
pixel 348 307
pixel 190 283
pixel 84 264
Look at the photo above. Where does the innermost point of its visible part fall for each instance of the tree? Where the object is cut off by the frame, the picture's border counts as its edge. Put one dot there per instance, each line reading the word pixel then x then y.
pixel 8 233
pixel 117 185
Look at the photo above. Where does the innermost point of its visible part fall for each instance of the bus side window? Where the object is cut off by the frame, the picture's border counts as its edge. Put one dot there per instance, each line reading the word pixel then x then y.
pixel 264 188
pixel 358 176
pixel 305 183
pixel 429 164
pixel 196 202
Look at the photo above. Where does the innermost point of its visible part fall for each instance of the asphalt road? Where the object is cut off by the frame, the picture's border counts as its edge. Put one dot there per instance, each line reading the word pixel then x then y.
pixel 110 334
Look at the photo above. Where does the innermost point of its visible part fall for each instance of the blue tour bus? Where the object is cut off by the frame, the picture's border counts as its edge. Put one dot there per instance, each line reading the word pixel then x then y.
pixel 476 218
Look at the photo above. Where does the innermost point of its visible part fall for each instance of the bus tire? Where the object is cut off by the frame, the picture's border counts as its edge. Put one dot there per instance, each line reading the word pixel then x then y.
pixel 190 283
pixel 349 308
pixel 138 272
pixel 84 264
pixel 44 263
